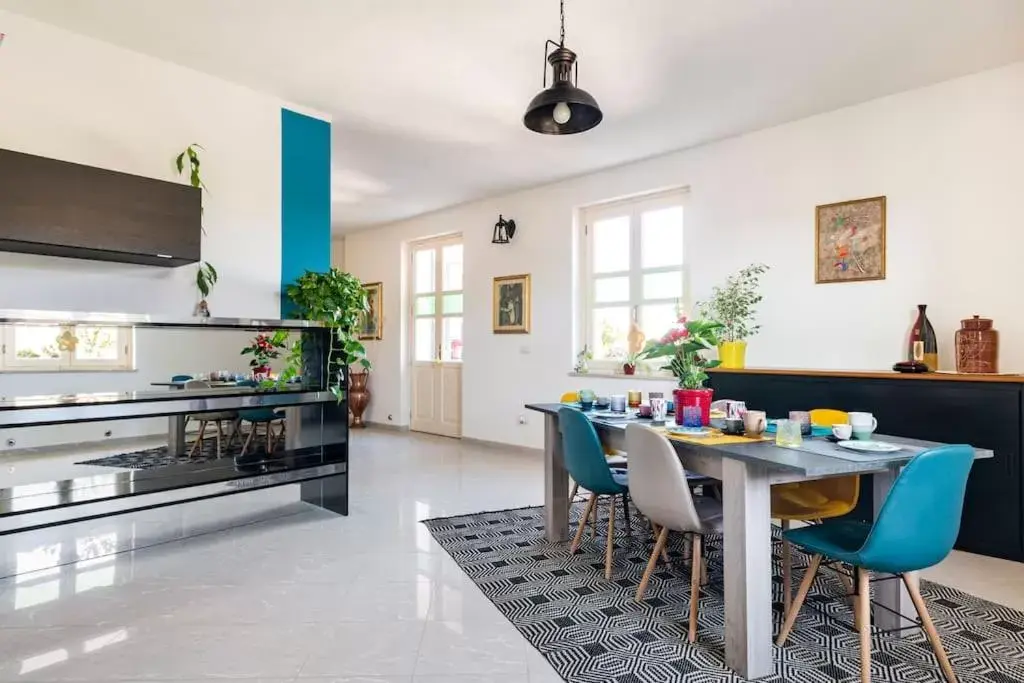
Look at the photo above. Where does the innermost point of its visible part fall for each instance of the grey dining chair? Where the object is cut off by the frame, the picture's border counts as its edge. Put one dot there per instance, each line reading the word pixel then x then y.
pixel 660 490
pixel 218 418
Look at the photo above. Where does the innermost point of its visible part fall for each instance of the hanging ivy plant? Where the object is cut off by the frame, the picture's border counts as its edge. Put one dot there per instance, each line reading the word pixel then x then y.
pixel 191 155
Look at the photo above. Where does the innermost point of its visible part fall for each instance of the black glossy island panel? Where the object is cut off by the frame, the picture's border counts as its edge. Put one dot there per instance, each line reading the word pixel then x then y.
pixel 313 452
pixel 984 411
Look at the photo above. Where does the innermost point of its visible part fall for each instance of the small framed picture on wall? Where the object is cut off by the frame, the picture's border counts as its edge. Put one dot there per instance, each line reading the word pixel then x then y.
pixel 371 323
pixel 850 241
pixel 511 308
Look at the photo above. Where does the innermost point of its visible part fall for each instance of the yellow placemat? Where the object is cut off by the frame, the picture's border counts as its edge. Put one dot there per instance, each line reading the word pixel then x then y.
pixel 717 438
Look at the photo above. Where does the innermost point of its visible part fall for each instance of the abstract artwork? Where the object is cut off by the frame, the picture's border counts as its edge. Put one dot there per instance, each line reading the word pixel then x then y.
pixel 371 323
pixel 850 241
pixel 512 304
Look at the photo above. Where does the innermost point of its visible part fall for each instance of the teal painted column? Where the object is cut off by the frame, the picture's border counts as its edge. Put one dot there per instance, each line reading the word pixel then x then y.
pixel 305 198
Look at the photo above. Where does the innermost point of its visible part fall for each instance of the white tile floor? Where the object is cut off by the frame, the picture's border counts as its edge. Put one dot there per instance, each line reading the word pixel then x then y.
pixel 292 592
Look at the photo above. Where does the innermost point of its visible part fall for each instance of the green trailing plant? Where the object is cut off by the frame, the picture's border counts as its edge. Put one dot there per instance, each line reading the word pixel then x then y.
pixel 206 278
pixel 734 304
pixel 337 300
pixel 195 179
pixel 684 345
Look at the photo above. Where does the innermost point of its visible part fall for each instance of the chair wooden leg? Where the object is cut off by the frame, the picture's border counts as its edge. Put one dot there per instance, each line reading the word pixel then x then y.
pixel 610 548
pixel 572 494
pixel 593 522
pixel 248 439
pixel 913 584
pixel 864 616
pixel 787 569
pixel 582 525
pixel 664 553
pixel 798 602
pixel 659 546
pixel 851 591
pixel 199 440
pixel 696 565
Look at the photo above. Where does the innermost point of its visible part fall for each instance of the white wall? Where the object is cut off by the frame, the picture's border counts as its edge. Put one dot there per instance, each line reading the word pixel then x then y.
pixel 70 97
pixel 947 157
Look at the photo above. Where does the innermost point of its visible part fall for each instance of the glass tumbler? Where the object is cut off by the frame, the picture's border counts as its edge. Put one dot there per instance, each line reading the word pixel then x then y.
pixel 692 417
pixel 788 434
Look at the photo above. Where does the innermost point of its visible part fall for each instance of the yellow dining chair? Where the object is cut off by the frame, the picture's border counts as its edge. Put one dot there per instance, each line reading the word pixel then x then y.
pixel 810 501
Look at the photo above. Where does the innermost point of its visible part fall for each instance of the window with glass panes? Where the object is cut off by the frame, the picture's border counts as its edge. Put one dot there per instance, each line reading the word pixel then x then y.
pixel 52 348
pixel 437 300
pixel 633 270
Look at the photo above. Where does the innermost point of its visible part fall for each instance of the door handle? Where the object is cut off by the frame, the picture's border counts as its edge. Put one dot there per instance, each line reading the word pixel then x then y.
pixel 438 353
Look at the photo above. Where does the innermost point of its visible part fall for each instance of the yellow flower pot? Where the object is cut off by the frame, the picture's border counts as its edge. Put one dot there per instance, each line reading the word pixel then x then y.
pixel 733 354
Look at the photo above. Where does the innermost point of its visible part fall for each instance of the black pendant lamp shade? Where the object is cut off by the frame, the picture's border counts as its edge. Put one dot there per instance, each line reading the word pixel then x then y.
pixel 563 108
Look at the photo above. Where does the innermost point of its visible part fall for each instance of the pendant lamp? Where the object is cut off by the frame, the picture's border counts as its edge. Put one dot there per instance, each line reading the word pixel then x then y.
pixel 562 109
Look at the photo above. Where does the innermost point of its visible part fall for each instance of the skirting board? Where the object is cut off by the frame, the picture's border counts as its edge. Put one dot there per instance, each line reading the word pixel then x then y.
pixel 508 447
pixel 388 426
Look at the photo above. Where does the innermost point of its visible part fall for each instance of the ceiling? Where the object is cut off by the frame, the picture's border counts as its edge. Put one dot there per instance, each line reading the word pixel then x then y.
pixel 428 96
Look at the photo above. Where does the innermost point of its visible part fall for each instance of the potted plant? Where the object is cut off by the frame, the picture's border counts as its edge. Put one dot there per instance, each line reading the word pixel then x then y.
pixel 206 278
pixel 733 305
pixel 337 299
pixel 263 349
pixel 629 363
pixel 684 345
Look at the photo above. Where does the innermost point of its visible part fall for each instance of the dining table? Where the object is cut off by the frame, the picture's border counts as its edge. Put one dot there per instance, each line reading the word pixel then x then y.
pixel 176 444
pixel 747 471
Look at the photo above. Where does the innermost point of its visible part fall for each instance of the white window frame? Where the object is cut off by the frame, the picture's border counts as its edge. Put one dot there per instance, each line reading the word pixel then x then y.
pixel 66 362
pixel 634 207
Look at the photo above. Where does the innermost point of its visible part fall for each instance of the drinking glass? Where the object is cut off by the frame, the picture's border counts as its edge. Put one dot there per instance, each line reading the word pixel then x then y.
pixel 692 416
pixel 658 409
pixel 788 434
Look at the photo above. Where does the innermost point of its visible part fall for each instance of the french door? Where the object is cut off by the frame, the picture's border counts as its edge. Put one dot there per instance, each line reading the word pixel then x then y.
pixel 436 283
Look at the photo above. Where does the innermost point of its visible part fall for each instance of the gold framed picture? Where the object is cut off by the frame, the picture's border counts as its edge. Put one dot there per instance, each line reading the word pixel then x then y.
pixel 849 241
pixel 511 308
pixel 371 322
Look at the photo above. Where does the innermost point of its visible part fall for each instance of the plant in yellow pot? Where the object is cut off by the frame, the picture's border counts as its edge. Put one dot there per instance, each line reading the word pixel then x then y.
pixel 733 305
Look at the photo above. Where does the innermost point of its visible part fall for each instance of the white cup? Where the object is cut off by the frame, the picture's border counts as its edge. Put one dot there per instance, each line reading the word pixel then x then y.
pixel 863 425
pixel 843 432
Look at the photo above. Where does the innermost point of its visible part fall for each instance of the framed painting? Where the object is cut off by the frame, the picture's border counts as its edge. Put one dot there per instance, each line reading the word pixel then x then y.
pixel 849 243
pixel 371 323
pixel 511 314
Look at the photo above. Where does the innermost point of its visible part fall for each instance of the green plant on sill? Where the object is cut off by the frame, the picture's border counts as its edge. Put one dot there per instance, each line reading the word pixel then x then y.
pixel 734 304
pixel 191 153
pixel 206 278
pixel 335 299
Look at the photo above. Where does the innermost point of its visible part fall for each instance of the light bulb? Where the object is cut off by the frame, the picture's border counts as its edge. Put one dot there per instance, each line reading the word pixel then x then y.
pixel 562 113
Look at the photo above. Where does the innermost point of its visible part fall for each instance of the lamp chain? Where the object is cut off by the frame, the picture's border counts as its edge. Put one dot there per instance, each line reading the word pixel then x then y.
pixel 561 5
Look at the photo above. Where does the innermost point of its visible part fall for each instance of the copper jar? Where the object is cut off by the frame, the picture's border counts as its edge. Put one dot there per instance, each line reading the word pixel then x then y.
pixel 977 346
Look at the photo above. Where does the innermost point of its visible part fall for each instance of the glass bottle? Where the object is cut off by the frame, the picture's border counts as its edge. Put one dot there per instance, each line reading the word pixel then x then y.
pixel 923 345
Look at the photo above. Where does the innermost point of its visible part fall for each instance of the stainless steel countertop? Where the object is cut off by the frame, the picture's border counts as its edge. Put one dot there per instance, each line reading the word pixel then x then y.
pixel 16 316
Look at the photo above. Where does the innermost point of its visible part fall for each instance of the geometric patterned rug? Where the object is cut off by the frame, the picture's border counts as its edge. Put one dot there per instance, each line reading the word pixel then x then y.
pixel 591 631
pixel 160 456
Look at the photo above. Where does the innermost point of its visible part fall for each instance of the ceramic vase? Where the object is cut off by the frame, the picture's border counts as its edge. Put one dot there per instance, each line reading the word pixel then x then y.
pixel 977 346
pixel 923 345
pixel 628 369
pixel 693 397
pixel 733 355
pixel 358 396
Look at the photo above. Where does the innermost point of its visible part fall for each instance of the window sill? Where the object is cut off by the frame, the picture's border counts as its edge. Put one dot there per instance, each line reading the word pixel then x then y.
pixel 620 375
pixel 63 371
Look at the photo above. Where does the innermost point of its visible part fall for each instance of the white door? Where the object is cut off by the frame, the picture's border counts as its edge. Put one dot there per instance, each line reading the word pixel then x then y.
pixel 436 280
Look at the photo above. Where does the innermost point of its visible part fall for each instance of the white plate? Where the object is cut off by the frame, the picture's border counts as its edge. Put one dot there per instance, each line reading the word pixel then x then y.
pixel 870 446
pixel 609 415
pixel 690 431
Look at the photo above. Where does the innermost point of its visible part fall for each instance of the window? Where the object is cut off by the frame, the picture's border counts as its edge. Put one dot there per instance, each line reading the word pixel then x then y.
pixel 54 348
pixel 437 301
pixel 633 270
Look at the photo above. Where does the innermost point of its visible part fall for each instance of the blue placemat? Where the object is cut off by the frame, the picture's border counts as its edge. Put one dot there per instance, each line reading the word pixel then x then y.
pixel 816 430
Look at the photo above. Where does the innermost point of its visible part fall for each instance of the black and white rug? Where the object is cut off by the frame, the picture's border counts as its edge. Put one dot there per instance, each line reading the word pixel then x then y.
pixel 591 630
pixel 152 458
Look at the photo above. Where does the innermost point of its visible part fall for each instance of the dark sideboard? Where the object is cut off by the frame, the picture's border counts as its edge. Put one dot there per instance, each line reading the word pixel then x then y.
pixel 985 411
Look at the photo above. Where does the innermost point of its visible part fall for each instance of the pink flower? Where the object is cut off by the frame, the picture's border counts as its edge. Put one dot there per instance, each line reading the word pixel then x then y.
pixel 682 319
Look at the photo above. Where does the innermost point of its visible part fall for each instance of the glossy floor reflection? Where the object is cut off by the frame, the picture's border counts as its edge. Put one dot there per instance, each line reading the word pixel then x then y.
pixel 291 592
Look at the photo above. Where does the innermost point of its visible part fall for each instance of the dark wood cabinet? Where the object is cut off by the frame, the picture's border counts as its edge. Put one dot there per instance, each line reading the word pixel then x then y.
pixel 58 208
pixel 985 414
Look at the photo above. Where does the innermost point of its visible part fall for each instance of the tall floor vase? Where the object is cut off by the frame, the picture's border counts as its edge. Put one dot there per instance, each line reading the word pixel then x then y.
pixel 358 396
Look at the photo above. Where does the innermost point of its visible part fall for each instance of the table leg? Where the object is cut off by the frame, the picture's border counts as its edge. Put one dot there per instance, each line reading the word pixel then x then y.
pixel 891 592
pixel 748 569
pixel 556 484
pixel 176 434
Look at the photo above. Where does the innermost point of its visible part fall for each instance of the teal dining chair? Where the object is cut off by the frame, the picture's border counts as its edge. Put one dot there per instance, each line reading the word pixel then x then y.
pixel 260 416
pixel 585 459
pixel 181 378
pixel 915 529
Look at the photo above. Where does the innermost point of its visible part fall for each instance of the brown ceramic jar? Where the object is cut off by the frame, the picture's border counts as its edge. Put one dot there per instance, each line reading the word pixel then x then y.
pixel 977 346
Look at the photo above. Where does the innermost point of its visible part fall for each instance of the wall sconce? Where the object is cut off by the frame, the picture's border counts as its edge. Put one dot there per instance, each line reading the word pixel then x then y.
pixel 504 231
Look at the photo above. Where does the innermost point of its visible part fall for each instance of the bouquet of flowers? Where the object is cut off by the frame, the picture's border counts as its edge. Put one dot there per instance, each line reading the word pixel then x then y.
pixel 682 346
